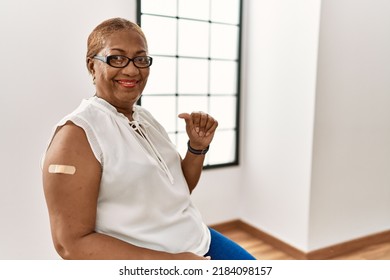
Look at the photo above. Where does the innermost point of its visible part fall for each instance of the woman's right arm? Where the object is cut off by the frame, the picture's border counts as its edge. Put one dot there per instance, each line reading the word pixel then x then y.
pixel 72 204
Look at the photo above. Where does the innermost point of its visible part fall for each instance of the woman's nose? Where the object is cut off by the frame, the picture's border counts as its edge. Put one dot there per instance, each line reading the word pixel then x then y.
pixel 130 69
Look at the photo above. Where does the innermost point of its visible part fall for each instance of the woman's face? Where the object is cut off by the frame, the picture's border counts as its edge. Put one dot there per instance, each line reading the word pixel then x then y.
pixel 120 86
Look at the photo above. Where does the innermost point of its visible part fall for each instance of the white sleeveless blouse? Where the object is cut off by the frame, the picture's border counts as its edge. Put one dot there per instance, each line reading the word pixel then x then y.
pixel 144 198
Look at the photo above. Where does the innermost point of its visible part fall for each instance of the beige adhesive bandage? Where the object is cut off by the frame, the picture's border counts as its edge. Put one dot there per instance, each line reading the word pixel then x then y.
pixel 62 169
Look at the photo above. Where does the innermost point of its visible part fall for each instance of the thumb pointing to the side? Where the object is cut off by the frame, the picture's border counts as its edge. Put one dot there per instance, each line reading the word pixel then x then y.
pixel 188 119
pixel 185 116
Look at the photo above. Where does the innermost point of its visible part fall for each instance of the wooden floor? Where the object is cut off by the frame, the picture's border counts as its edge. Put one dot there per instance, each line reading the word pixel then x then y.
pixel 263 251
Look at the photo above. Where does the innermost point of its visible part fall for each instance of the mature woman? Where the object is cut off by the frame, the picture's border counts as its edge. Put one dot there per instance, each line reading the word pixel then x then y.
pixel 115 186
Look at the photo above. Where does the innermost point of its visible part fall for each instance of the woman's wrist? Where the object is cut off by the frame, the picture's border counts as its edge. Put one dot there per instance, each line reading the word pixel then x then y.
pixel 197 151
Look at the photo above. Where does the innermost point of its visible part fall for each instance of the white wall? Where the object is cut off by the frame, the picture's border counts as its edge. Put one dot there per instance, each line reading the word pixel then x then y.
pixel 43 77
pixel 317 132
pixel 218 195
pixel 281 43
pixel 350 195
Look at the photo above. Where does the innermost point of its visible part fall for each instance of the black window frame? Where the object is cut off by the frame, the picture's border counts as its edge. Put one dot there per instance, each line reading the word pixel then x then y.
pixel 237 128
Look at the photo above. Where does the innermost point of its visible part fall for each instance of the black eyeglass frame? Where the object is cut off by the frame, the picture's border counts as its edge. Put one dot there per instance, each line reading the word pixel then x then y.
pixel 107 59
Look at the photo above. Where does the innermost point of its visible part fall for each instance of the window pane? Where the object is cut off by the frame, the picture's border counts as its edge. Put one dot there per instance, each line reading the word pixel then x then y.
pixel 223 109
pixel 193 38
pixel 160 33
pixel 227 11
pixel 194 45
pixel 196 9
pixel 223 77
pixel 189 104
pixel 193 76
pixel 160 7
pixel 224 41
pixel 162 77
pixel 182 139
pixel 223 148
pixel 163 109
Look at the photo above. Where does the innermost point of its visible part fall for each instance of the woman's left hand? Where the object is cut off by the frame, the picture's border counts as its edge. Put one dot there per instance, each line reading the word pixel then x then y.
pixel 200 128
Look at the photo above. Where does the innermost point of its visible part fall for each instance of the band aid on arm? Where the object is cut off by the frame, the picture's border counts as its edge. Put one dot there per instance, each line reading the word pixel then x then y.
pixel 62 169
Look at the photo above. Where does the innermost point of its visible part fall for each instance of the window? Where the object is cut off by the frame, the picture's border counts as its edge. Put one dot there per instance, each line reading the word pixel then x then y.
pixel 195 45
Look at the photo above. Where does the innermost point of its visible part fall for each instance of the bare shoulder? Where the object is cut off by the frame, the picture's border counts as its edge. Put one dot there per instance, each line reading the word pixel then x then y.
pixel 70 147
pixel 70 143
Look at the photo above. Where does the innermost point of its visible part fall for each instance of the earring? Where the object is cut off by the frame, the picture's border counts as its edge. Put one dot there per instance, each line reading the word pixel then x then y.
pixel 93 80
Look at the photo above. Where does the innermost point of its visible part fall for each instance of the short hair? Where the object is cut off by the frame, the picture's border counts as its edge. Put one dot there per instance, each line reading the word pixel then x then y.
pixel 96 39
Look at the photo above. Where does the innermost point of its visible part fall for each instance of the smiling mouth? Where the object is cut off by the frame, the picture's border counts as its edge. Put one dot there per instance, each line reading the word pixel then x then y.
pixel 128 83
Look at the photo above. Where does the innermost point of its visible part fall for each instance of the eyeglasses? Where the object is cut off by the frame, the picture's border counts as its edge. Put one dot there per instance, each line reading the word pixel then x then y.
pixel 121 61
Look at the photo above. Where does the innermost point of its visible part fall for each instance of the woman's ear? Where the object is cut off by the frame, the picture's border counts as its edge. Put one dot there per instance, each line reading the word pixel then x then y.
pixel 91 66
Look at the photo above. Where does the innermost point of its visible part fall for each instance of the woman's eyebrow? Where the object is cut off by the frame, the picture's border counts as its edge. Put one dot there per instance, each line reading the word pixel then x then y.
pixel 117 49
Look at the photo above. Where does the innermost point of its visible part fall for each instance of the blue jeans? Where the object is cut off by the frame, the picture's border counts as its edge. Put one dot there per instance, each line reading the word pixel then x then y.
pixel 222 248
